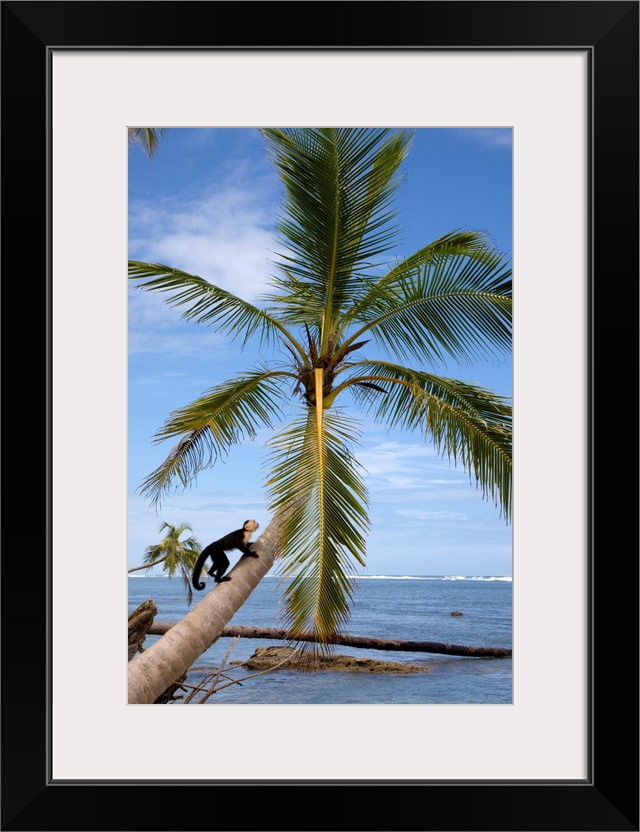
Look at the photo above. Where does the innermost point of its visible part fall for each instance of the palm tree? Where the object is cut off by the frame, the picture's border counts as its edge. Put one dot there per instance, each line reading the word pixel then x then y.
pixel 176 555
pixel 336 289
pixel 147 137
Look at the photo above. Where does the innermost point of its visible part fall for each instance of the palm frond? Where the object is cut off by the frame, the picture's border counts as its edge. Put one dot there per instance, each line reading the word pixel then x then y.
pixel 176 555
pixel 465 422
pixel 209 426
pixel 469 243
pixel 294 300
pixel 315 483
pixel 452 298
pixel 336 216
pixel 147 137
pixel 209 304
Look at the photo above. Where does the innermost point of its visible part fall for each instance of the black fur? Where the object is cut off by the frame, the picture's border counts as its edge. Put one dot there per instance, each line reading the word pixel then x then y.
pixel 216 551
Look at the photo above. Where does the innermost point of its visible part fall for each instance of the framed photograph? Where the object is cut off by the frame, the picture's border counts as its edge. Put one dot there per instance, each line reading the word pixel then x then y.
pixel 563 77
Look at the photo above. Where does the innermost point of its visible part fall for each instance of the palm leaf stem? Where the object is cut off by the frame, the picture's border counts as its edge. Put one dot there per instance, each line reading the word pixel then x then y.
pixel 313 481
pixel 418 393
pixel 413 304
pixel 328 312
pixel 321 474
pixel 358 380
pixel 210 426
pixel 463 421
pixel 211 301
pixel 472 244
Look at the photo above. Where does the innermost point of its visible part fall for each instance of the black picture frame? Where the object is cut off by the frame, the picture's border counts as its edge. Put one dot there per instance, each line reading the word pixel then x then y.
pixel 608 798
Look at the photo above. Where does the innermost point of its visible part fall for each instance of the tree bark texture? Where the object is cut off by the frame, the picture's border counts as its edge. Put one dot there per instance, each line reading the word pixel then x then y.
pixel 163 663
pixel 140 622
pixel 276 633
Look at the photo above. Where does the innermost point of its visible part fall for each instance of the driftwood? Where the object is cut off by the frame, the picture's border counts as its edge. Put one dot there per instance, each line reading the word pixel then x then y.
pixel 140 622
pixel 161 627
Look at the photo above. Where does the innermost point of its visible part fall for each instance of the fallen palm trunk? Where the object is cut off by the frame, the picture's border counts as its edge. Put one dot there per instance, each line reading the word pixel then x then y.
pixel 159 628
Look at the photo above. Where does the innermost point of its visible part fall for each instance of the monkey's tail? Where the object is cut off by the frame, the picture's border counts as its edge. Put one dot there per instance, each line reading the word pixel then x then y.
pixel 197 569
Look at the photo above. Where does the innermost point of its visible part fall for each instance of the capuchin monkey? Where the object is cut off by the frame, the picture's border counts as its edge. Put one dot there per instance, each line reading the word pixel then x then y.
pixel 216 551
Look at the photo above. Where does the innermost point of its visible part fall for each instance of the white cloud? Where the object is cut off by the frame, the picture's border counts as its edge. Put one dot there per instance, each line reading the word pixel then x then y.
pixel 225 237
pixel 491 136
pixel 184 343
pixel 419 515
pixel 223 233
pixel 387 459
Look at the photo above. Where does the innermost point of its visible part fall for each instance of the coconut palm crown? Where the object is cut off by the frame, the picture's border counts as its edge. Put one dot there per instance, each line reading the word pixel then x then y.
pixel 336 289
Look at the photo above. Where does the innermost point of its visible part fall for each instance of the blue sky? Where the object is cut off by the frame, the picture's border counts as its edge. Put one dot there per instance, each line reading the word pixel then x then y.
pixel 206 203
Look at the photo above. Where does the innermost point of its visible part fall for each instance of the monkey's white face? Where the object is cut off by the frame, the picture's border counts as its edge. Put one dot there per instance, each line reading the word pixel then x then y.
pixel 251 525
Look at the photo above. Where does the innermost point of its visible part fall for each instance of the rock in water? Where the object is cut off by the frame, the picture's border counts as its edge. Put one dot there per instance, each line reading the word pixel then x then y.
pixel 265 658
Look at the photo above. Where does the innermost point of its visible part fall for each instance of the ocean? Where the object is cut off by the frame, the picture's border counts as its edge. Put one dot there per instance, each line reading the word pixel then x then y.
pixel 407 607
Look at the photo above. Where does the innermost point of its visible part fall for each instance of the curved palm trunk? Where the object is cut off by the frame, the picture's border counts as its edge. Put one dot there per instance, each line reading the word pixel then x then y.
pixel 153 671
pixel 148 565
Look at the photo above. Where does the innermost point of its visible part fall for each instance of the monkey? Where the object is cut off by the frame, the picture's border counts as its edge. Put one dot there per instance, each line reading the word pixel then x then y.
pixel 216 551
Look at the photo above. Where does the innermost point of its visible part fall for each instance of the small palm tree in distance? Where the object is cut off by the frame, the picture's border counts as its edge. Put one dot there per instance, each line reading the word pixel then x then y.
pixel 174 554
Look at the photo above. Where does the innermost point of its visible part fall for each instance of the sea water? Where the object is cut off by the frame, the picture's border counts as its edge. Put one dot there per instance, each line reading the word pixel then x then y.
pixel 408 607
